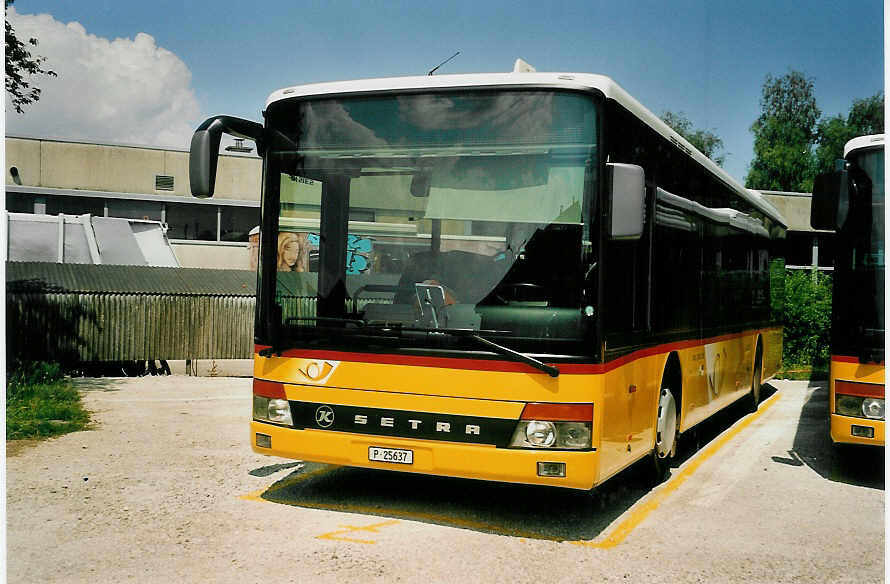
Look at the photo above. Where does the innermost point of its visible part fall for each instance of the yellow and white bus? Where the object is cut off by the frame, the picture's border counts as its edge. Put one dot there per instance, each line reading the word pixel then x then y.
pixel 521 277
pixel 851 201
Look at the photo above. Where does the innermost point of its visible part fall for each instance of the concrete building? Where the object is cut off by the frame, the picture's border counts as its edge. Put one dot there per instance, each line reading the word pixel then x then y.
pixel 138 182
pixel 805 247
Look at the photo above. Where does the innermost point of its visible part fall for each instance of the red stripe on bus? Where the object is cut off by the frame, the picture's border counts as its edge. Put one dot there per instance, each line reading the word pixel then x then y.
pixel 271 389
pixel 848 359
pixel 558 412
pixel 422 361
pixel 497 365
pixel 858 389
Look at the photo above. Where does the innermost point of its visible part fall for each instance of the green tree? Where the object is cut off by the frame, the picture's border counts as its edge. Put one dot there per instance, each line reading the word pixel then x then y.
pixel 20 67
pixel 807 319
pixel 705 141
pixel 866 116
pixel 784 135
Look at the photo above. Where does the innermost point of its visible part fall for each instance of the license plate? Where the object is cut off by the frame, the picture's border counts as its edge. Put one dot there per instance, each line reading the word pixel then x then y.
pixel 395 455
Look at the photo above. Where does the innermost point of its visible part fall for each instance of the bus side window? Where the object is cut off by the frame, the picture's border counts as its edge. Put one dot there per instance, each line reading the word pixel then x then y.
pixel 676 273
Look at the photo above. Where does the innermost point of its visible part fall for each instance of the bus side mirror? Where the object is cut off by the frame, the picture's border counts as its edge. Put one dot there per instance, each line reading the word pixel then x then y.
pixel 420 184
pixel 831 200
pixel 627 194
pixel 204 151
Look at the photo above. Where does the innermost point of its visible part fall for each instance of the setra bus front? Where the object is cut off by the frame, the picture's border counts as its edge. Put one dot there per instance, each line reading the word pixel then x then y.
pixel 851 201
pixel 428 285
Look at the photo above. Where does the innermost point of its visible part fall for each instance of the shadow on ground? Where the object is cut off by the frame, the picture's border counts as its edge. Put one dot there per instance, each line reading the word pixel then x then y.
pixel 854 465
pixel 96 383
pixel 507 509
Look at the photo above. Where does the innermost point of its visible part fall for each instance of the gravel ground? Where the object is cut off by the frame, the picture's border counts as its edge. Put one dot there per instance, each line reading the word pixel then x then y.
pixel 165 488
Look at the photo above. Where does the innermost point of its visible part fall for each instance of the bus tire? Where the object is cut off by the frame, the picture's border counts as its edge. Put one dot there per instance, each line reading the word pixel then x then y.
pixel 666 435
pixel 754 396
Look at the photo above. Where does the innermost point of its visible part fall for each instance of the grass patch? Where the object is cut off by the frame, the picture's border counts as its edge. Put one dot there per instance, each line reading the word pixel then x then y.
pixel 41 403
pixel 804 373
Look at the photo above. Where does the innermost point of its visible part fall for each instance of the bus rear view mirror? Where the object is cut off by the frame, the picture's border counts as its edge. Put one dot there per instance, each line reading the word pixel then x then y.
pixel 204 150
pixel 831 200
pixel 627 194
pixel 420 184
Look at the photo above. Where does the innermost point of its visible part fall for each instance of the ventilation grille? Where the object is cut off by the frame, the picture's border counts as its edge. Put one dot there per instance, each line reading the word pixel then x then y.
pixel 163 182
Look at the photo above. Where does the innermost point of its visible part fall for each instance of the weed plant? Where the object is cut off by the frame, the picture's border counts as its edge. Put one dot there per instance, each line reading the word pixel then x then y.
pixel 807 320
pixel 41 402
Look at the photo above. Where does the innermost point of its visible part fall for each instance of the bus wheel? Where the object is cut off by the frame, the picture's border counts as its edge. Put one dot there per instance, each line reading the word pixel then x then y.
pixel 754 399
pixel 665 435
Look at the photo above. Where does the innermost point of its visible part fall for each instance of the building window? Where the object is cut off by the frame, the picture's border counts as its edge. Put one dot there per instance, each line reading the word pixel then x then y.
pixel 194 221
pixel 186 221
pixel 236 222
pixel 362 215
pixel 18 203
pixel 75 206
pixel 134 209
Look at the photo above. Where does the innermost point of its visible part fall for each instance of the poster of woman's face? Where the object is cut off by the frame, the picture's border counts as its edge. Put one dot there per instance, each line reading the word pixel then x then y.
pixel 293 252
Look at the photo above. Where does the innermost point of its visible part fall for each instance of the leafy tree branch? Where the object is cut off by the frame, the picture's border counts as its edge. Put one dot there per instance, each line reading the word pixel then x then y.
pixel 704 141
pixel 20 67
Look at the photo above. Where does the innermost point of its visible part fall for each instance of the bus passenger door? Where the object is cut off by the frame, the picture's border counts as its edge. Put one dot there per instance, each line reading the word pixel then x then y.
pixel 626 324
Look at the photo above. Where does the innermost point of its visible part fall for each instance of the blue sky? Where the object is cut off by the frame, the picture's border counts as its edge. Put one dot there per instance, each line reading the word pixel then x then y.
pixel 706 59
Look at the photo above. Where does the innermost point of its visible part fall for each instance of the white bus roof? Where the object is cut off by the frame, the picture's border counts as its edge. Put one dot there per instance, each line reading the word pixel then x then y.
pixel 861 142
pixel 576 81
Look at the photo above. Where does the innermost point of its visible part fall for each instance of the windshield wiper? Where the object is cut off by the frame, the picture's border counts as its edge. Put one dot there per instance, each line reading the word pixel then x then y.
pixel 516 356
pixel 455 332
pixel 495 348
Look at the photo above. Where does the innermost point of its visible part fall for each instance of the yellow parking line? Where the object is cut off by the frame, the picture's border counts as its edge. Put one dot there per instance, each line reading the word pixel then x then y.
pixel 646 506
pixel 436 518
pixel 339 535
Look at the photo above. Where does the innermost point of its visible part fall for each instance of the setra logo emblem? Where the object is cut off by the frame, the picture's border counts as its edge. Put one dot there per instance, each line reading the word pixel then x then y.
pixel 324 416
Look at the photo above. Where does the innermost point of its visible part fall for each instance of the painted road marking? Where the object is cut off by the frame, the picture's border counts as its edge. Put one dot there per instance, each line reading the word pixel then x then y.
pixel 337 535
pixel 641 510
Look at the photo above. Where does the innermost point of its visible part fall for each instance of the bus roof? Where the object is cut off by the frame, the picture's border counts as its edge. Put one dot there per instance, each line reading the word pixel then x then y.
pixel 571 81
pixel 861 142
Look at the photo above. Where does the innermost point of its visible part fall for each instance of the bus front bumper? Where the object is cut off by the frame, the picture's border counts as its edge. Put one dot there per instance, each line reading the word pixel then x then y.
pixel 848 430
pixel 452 459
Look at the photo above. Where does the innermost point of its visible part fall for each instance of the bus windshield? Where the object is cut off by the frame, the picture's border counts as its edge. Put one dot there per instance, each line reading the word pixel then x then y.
pixel 859 267
pixel 425 213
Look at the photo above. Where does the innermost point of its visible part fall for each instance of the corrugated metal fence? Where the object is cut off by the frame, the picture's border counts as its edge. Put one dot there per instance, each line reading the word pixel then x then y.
pixel 68 313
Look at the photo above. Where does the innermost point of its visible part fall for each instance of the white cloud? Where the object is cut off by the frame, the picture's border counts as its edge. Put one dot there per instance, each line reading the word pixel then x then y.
pixel 122 90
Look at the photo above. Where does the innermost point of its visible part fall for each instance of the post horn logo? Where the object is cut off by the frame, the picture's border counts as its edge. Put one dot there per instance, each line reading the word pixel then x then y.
pixel 324 416
pixel 318 371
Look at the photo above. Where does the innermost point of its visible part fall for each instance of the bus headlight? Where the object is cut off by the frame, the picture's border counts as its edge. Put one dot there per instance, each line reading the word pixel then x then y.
pixel 548 434
pixel 574 435
pixel 272 410
pixel 848 405
pixel 859 407
pixel 541 434
pixel 873 408
pixel 554 425
pixel 859 399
